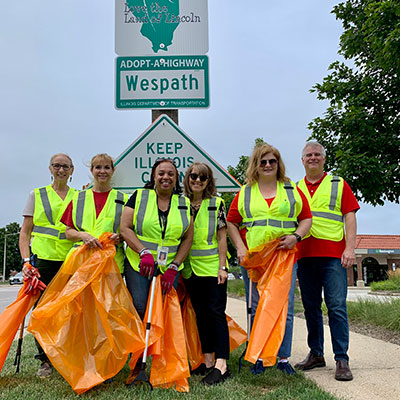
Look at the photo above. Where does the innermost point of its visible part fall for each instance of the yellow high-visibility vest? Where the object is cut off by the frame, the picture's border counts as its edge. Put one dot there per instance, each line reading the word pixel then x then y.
pixel 326 207
pixel 109 219
pixel 146 223
pixel 203 258
pixel 266 223
pixel 49 241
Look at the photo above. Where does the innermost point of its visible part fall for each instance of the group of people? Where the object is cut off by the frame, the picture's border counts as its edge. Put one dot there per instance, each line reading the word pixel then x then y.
pixel 183 232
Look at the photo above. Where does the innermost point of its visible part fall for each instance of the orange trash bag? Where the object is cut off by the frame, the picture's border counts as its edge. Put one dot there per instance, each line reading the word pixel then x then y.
pixel 272 269
pixel 169 366
pixel 192 339
pixel 12 317
pixel 237 335
pixel 86 321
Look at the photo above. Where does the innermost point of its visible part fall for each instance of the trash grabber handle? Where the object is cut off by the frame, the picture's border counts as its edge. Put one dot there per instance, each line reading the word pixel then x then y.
pixel 17 360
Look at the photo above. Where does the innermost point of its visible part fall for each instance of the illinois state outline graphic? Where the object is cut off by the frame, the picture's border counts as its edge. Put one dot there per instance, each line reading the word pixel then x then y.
pixel 159 20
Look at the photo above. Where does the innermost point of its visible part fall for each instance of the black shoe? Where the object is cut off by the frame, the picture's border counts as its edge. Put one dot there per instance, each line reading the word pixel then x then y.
pixel 310 362
pixel 201 370
pixel 215 377
pixel 343 372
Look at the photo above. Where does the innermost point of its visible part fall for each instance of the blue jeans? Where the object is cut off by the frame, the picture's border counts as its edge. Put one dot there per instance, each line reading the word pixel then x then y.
pixel 139 287
pixel 286 346
pixel 314 274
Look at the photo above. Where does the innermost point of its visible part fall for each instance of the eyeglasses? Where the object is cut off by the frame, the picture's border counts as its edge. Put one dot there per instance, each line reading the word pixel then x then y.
pixel 65 167
pixel 194 177
pixel 272 162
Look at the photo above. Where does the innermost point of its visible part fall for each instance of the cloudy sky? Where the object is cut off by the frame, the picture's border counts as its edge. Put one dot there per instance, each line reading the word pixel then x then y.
pixel 57 89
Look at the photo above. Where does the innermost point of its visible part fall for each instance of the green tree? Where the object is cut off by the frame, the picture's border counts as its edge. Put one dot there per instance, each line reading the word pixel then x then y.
pixel 13 259
pixel 361 126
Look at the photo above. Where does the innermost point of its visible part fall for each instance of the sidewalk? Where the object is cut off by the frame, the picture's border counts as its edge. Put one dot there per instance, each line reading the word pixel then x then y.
pixel 375 364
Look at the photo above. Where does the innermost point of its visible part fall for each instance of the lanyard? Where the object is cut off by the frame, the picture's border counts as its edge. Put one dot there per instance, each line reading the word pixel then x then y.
pixel 163 219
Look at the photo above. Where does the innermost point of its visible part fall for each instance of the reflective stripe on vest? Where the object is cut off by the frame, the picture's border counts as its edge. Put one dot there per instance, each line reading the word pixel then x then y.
pixel 334 192
pixel 275 223
pixel 118 211
pixel 203 253
pixel 327 215
pixel 141 212
pixel 211 220
pixel 79 209
pixel 292 200
pixel 46 204
pixel 183 210
pixel 46 231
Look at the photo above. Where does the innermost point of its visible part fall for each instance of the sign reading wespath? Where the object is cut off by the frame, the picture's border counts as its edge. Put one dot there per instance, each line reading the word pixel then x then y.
pixel 162 27
pixel 164 139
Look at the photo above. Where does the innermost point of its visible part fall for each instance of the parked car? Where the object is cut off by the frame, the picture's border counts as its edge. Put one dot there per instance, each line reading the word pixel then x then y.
pixel 17 279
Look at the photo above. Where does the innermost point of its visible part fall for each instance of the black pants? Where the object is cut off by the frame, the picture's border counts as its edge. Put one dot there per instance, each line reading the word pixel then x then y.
pixel 209 303
pixel 47 270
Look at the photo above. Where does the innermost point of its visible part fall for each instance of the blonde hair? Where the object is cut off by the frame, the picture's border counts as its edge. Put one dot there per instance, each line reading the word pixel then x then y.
pixel 103 156
pixel 258 153
pixel 61 154
pixel 210 190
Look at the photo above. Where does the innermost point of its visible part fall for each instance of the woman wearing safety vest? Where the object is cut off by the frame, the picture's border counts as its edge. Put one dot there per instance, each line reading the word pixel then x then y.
pixel 97 210
pixel 156 226
pixel 42 214
pixel 269 206
pixel 206 272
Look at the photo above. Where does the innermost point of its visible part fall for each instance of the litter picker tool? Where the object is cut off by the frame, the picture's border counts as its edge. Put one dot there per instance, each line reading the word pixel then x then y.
pixel 17 360
pixel 142 376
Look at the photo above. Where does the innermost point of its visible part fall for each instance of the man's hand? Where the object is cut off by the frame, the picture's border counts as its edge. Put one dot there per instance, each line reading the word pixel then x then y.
pixel 348 258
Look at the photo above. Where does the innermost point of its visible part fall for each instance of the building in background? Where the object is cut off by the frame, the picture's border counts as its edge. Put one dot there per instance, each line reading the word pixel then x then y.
pixel 376 255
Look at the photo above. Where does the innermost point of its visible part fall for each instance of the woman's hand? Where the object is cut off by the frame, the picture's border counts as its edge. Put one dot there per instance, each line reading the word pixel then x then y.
pixel 222 276
pixel 117 237
pixel 287 242
pixel 90 241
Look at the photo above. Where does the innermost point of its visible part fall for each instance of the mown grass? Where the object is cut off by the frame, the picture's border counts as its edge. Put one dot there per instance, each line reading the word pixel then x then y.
pixel 385 314
pixel 391 284
pixel 272 384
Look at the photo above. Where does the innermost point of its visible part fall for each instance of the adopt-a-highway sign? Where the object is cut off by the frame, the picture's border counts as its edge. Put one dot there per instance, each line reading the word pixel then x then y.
pixel 162 82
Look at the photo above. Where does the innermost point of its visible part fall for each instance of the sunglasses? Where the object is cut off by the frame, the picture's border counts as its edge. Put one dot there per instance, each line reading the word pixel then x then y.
pixel 272 162
pixel 194 177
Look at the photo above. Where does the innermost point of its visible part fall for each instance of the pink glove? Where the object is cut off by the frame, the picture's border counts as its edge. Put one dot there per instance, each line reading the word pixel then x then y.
pixel 146 266
pixel 168 277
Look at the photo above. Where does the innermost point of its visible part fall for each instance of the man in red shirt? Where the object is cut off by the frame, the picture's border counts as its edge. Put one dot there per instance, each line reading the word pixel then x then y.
pixel 324 256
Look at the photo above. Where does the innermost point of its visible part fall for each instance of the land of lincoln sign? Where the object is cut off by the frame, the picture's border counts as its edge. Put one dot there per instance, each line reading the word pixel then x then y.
pixel 162 82
pixel 162 27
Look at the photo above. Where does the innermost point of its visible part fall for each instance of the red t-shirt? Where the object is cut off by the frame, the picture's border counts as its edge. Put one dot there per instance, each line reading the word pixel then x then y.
pixel 235 217
pixel 312 247
pixel 100 199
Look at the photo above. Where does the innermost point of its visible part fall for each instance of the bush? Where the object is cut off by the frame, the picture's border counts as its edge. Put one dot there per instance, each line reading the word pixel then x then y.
pixel 392 283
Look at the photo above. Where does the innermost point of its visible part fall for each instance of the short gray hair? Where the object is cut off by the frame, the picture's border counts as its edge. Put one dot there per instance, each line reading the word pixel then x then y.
pixel 313 143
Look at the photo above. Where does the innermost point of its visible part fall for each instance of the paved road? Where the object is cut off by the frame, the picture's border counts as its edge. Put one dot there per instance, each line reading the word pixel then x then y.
pixel 8 294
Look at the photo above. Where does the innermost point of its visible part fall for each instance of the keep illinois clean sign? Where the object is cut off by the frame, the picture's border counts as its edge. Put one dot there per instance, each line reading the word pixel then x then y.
pixel 164 139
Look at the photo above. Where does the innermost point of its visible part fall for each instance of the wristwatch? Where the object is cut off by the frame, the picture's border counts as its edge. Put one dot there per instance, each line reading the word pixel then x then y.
pixel 223 268
pixel 297 236
pixel 25 260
